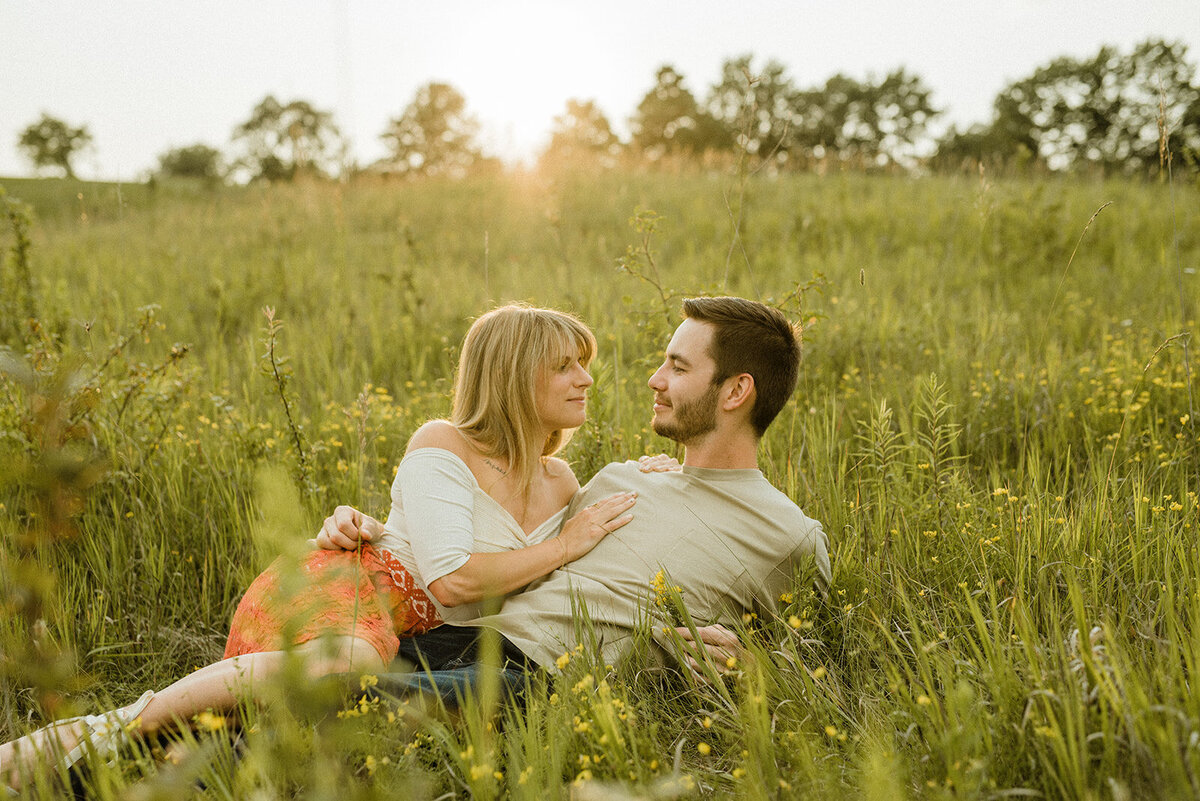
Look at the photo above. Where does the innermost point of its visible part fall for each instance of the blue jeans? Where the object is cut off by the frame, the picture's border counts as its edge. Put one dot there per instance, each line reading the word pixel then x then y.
pixel 448 665
pixel 449 685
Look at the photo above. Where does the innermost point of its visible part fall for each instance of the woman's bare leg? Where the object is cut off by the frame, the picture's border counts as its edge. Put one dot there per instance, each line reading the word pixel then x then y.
pixel 219 687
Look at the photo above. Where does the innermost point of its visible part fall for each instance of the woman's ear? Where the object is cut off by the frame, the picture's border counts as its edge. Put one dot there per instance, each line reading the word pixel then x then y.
pixel 738 389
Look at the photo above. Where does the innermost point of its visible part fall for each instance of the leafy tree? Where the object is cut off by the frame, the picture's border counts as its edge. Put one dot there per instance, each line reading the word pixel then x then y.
pixel 670 121
pixel 865 122
pixel 434 136
pixel 582 135
pixel 193 161
pixel 900 110
pixel 284 139
pixel 977 145
pixel 1103 111
pixel 50 142
pixel 757 110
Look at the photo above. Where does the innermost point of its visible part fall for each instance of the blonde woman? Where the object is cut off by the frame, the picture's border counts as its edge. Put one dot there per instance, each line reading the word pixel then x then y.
pixel 477 503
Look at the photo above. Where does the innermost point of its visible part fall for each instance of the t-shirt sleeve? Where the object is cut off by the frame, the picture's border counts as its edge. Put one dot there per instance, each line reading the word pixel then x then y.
pixel 438 492
pixel 612 478
pixel 808 564
pixel 816 547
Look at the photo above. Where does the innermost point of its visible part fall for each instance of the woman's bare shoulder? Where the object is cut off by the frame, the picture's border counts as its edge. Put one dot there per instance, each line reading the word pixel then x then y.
pixel 438 434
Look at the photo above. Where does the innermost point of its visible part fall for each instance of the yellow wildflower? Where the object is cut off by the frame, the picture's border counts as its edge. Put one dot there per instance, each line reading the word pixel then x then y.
pixel 208 721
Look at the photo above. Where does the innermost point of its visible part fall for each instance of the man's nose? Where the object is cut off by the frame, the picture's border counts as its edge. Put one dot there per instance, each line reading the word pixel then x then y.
pixel 656 382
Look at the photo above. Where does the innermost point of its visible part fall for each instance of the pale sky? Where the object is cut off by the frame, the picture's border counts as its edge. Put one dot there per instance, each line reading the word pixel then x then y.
pixel 148 75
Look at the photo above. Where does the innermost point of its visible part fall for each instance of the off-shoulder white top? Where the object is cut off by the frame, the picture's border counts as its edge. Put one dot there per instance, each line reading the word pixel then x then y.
pixel 440 516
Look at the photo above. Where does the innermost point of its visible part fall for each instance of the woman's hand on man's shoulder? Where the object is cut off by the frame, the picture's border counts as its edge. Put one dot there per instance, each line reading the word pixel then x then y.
pixel 662 463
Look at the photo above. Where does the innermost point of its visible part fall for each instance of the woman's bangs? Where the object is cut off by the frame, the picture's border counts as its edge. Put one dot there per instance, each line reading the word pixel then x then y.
pixel 577 342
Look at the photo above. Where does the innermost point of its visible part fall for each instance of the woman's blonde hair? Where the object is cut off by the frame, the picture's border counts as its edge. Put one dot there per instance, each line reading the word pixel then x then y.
pixel 503 355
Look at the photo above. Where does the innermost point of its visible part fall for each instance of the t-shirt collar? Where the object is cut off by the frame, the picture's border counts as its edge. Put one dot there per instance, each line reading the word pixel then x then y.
pixel 721 474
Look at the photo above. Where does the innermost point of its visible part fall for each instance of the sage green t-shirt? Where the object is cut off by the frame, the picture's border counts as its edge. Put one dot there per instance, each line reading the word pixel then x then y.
pixel 727 538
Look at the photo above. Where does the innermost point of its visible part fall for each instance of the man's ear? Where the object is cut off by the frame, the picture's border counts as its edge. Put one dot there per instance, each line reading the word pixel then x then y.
pixel 738 390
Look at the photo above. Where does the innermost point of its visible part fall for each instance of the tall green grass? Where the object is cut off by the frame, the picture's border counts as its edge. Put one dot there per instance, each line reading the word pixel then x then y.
pixel 995 433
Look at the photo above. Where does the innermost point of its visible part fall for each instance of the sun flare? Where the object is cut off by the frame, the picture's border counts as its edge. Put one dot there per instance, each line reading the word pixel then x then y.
pixel 515 78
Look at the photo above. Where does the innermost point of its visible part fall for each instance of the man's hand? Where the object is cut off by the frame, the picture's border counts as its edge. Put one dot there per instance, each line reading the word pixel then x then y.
pixel 345 528
pixel 718 645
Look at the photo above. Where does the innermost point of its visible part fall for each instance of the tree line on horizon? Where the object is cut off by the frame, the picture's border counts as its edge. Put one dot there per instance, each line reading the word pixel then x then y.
pixel 1113 112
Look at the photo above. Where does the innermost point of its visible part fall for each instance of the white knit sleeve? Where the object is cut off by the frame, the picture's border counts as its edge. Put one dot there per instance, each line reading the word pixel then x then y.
pixel 438 493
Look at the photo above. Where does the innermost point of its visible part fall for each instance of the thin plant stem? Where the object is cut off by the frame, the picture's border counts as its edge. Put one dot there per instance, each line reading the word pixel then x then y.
pixel 280 380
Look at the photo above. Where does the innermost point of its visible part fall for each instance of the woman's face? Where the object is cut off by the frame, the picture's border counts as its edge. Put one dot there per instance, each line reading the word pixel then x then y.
pixel 561 393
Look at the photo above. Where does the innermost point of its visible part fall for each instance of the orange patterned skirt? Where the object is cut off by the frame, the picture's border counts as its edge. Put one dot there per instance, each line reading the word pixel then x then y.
pixel 366 594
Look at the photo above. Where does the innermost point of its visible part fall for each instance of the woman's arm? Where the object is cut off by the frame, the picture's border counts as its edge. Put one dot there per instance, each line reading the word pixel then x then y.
pixel 439 503
pixel 435 488
pixel 488 575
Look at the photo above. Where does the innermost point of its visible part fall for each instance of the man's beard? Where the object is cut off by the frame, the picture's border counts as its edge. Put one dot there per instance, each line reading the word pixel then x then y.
pixel 691 420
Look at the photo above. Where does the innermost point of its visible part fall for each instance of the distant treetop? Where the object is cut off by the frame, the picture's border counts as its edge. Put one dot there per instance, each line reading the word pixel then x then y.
pixel 50 142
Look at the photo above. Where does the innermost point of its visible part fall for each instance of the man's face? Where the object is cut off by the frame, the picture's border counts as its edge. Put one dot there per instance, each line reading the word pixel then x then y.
pixel 685 398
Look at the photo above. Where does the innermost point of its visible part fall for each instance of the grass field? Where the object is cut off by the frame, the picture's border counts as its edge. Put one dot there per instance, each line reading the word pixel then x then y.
pixel 995 423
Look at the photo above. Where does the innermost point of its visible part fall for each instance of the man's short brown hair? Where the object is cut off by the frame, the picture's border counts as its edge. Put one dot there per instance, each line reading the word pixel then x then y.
pixel 752 338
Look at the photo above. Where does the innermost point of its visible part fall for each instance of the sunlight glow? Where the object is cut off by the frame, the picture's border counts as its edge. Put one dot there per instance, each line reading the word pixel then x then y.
pixel 519 71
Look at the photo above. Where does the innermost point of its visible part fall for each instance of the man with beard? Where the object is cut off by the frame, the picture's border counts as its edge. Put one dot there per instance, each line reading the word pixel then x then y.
pixel 717 530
